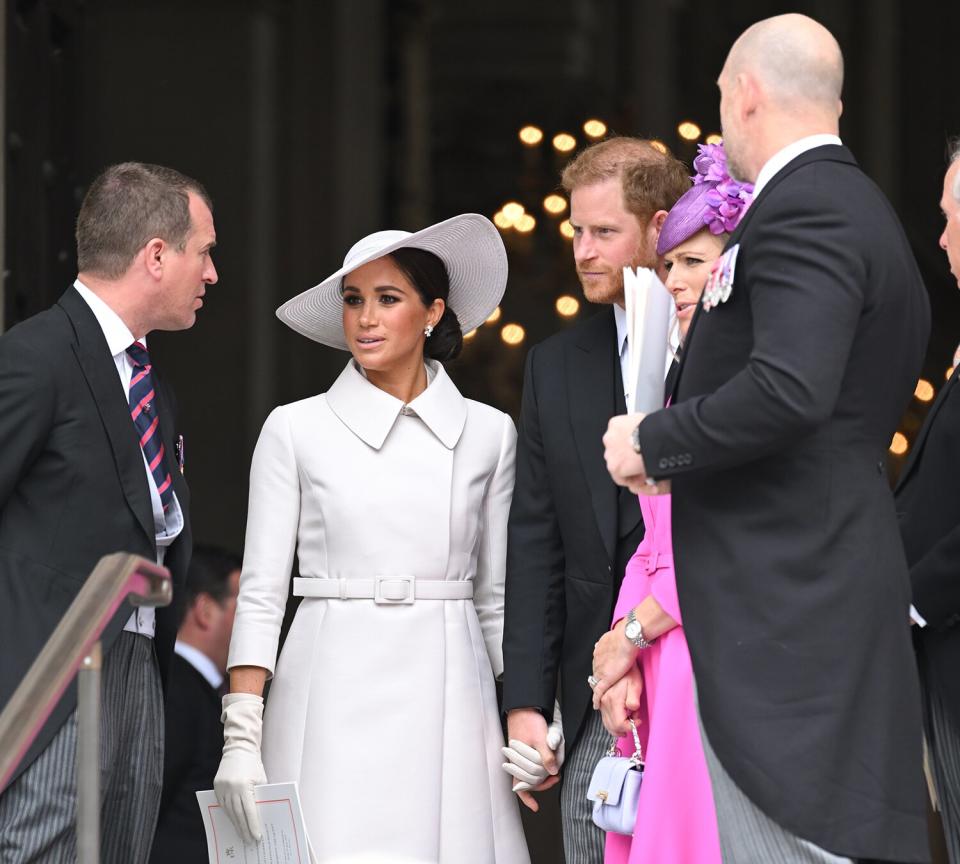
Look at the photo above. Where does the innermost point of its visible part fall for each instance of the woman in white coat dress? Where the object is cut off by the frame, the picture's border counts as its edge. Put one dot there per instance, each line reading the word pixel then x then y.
pixel 393 491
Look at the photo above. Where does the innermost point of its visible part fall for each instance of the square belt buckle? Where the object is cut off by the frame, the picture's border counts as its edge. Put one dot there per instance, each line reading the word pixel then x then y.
pixel 394 590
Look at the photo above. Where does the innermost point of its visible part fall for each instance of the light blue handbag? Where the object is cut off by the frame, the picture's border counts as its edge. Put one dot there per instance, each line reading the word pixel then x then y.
pixel 615 788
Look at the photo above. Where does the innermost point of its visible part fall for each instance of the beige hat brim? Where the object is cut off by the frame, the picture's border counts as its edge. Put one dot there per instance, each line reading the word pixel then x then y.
pixel 469 245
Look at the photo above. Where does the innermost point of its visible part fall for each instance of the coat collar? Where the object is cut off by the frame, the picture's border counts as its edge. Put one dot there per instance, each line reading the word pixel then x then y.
pixel 370 413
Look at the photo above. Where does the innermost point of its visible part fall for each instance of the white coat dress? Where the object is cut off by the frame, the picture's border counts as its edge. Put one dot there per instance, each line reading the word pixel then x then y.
pixel 384 713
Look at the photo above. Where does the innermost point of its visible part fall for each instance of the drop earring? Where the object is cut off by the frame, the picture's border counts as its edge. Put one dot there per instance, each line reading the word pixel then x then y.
pixel 428 330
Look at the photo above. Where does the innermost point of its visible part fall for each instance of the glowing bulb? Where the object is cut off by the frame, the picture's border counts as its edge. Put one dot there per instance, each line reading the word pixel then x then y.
pixel 469 334
pixel 525 224
pixel 688 130
pixel 595 128
pixel 513 334
pixel 899 445
pixel 567 306
pixel 924 391
pixel 714 138
pixel 501 221
pixel 512 210
pixel 531 135
pixel 564 142
pixel 657 144
pixel 494 316
pixel 555 204
pixel 950 372
pixel 566 229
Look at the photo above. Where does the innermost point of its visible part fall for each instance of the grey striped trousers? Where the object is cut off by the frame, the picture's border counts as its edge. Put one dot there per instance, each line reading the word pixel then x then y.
pixel 38 811
pixel 943 741
pixel 747 834
pixel 582 840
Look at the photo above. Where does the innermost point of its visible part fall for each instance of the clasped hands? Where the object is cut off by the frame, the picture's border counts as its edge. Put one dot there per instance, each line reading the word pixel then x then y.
pixel 616 681
pixel 625 465
pixel 534 753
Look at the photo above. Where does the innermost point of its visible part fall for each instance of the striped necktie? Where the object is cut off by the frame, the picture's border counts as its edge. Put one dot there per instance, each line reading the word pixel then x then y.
pixel 144 414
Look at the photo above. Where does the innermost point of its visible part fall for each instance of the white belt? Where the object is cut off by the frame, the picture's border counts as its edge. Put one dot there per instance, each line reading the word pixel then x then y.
pixel 387 590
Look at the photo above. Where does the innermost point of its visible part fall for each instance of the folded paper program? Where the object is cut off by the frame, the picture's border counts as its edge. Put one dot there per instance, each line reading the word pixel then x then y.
pixel 648 306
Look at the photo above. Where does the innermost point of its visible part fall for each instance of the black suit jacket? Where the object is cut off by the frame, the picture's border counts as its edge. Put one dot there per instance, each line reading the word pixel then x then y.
pixel 192 749
pixel 790 569
pixel 928 504
pixel 73 487
pixel 571 531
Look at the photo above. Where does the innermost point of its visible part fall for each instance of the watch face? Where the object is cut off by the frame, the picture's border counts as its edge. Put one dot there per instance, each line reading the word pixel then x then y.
pixel 632 630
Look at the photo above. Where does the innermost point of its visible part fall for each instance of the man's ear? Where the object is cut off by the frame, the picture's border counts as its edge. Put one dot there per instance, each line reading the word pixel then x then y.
pixel 751 95
pixel 654 226
pixel 153 253
pixel 202 607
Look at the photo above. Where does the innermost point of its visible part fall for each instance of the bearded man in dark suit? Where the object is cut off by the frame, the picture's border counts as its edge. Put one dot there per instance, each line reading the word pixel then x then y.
pixel 790 569
pixel 571 532
pixel 89 466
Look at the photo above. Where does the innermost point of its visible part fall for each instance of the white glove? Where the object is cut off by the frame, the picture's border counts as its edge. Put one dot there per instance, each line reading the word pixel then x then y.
pixel 523 761
pixel 240 766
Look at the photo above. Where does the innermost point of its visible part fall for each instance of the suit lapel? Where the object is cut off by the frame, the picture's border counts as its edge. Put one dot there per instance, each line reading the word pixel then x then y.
pixel 592 398
pixel 925 429
pixel 98 368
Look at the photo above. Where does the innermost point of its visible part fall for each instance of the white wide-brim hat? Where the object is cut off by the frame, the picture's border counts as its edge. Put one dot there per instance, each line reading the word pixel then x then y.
pixel 470 247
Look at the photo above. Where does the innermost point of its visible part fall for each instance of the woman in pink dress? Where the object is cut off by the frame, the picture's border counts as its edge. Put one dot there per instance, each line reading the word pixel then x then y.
pixel 645 652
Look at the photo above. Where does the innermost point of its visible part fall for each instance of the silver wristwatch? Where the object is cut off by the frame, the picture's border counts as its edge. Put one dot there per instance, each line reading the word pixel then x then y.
pixel 634 632
pixel 635 439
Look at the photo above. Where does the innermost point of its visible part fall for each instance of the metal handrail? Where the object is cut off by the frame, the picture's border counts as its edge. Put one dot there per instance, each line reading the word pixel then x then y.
pixel 116 578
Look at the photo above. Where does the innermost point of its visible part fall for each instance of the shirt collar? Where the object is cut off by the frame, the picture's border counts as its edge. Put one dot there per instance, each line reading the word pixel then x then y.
pixel 201 662
pixel 784 157
pixel 620 316
pixel 370 413
pixel 117 334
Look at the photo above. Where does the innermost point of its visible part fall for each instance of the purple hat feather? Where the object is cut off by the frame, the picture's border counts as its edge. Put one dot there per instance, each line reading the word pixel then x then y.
pixel 715 201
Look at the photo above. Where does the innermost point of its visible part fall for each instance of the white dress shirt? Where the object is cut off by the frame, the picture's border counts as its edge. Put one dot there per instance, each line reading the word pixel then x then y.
pixel 623 351
pixel 168 526
pixel 783 157
pixel 201 662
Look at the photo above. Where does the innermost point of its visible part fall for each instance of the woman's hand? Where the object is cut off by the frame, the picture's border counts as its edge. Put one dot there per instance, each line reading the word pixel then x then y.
pixel 613 656
pixel 622 701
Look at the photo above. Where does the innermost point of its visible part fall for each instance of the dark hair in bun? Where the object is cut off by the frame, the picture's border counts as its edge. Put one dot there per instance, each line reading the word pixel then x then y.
pixel 428 274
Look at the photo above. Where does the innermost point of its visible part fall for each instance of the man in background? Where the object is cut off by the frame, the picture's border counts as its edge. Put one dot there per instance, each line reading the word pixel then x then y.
pixel 571 531
pixel 194 734
pixel 928 503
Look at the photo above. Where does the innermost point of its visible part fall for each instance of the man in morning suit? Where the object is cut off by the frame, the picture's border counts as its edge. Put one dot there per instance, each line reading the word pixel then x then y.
pixel 791 574
pixel 193 743
pixel 571 531
pixel 928 504
pixel 88 466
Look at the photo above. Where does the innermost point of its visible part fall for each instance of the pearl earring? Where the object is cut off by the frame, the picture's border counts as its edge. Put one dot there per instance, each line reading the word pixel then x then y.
pixel 428 330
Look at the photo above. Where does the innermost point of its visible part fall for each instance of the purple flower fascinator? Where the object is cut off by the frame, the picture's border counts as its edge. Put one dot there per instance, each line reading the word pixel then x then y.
pixel 715 201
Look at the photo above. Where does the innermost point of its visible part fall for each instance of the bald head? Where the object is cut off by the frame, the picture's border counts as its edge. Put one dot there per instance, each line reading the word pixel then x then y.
pixel 795 60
